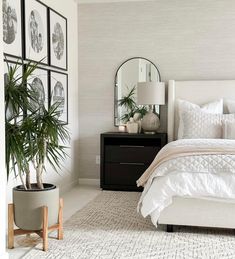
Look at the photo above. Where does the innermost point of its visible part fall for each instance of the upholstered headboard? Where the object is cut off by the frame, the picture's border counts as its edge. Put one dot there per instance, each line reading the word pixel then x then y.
pixel 198 92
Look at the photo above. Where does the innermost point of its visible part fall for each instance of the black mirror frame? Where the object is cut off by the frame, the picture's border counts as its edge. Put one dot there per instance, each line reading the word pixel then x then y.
pixel 115 85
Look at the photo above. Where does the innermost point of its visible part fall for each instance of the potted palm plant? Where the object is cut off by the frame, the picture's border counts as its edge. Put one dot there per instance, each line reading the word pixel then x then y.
pixel 35 138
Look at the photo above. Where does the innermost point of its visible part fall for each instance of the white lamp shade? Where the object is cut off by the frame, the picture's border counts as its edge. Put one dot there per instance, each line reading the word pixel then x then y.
pixel 150 93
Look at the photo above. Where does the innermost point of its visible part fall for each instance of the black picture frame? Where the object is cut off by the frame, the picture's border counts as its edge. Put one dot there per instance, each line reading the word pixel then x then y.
pixel 55 81
pixel 45 55
pixel 6 70
pixel 46 79
pixel 9 61
pixel 19 20
pixel 55 61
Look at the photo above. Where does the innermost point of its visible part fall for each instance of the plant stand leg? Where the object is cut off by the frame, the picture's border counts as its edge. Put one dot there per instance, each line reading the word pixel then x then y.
pixel 45 228
pixel 60 220
pixel 10 226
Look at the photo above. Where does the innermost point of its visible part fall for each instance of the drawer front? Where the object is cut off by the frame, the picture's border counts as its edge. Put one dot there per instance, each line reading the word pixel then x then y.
pixel 128 154
pixel 123 173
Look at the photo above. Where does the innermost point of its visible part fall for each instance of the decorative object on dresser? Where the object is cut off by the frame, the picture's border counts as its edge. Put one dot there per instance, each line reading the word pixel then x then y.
pixel 129 106
pixel 125 157
pixel 151 93
pixel 129 73
pixel 132 126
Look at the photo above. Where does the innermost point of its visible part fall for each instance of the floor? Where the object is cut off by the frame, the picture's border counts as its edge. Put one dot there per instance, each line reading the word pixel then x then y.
pixel 74 200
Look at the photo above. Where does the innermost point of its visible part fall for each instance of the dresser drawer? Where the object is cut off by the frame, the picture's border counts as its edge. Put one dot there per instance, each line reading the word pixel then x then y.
pixel 123 173
pixel 129 153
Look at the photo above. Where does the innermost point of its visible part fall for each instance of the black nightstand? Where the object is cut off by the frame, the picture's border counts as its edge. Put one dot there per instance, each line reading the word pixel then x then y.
pixel 125 157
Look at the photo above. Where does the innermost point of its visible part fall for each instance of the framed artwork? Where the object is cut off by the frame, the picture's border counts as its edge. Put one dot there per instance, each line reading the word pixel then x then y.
pixel 59 93
pixel 12 27
pixel 36 31
pixel 18 75
pixel 58 40
pixel 39 82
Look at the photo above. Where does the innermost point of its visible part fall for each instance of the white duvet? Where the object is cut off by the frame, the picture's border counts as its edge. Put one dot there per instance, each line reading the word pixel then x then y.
pixel 207 176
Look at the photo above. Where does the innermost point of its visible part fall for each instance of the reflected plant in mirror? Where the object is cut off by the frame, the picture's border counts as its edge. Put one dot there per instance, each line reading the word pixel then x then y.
pixel 128 75
pixel 129 106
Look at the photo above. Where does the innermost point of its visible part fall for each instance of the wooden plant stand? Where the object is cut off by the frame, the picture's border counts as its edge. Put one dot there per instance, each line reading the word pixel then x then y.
pixel 42 233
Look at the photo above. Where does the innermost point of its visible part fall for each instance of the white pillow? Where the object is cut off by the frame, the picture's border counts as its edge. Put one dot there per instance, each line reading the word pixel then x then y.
pixel 230 106
pixel 229 129
pixel 199 124
pixel 215 107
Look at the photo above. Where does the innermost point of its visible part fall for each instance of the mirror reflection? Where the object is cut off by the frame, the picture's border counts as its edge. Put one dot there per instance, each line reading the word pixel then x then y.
pixel 131 72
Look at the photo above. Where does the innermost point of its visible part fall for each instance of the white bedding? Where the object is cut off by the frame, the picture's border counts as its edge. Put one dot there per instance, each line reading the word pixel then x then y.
pixel 207 176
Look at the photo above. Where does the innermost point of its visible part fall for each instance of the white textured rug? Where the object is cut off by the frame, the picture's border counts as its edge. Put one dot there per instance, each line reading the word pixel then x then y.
pixel 109 227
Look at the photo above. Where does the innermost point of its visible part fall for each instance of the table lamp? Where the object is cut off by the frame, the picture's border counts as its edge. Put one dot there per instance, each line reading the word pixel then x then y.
pixel 150 93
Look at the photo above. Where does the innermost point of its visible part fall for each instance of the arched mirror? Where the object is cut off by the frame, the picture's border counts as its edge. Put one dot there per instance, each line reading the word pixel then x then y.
pixel 129 73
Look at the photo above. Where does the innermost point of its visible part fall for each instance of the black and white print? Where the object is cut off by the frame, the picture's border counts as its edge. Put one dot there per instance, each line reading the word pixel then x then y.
pixel 18 76
pixel 36 31
pixel 36 34
pixel 39 84
pixel 58 40
pixel 59 93
pixel 12 31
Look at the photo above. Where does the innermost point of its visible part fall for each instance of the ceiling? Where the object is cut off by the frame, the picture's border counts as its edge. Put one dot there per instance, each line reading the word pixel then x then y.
pixel 106 1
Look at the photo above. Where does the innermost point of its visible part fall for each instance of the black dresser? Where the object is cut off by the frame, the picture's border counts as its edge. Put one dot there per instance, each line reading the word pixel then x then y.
pixel 125 157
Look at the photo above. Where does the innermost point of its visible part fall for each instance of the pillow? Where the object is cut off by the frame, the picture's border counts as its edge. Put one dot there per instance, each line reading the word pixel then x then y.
pixel 229 129
pixel 230 106
pixel 184 106
pixel 199 124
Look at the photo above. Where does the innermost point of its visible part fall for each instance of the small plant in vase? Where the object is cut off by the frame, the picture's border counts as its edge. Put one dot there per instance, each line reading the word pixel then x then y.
pixel 134 113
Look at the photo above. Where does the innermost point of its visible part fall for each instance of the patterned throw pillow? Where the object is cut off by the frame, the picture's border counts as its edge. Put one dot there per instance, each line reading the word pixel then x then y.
pixel 214 107
pixel 231 106
pixel 203 125
pixel 229 129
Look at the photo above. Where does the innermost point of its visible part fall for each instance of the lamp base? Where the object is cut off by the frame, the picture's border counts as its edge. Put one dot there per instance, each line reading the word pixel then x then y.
pixel 150 123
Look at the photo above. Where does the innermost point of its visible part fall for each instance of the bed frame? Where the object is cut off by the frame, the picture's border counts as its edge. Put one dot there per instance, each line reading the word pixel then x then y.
pixel 196 211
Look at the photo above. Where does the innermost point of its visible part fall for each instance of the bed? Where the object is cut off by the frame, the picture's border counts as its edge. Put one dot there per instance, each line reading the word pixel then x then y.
pixel 196 211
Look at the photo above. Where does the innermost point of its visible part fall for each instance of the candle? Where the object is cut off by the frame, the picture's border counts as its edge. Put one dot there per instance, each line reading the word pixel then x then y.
pixel 122 128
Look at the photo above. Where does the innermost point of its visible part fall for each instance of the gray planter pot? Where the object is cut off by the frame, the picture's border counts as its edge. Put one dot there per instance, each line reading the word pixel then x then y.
pixel 28 206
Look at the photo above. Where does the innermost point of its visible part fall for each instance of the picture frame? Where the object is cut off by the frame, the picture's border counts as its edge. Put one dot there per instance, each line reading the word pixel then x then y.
pixel 39 81
pixel 36 31
pixel 59 92
pixel 19 74
pixel 58 40
pixel 12 13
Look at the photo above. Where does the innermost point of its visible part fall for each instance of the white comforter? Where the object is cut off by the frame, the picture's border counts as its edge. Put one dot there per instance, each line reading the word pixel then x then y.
pixel 205 176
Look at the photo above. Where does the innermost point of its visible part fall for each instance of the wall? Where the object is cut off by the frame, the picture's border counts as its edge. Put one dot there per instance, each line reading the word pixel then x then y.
pixel 185 39
pixel 3 179
pixel 69 176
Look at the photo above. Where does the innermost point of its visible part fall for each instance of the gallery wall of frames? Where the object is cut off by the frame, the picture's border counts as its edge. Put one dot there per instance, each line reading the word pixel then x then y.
pixel 34 32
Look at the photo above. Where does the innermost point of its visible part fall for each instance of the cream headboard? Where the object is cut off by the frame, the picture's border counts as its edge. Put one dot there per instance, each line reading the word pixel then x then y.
pixel 198 92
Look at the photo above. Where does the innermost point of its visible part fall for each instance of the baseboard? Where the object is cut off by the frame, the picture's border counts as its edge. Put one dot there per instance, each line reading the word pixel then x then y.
pixel 86 181
pixel 68 187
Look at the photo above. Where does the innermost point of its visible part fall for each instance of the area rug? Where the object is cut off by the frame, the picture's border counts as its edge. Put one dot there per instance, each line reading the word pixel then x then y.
pixel 109 227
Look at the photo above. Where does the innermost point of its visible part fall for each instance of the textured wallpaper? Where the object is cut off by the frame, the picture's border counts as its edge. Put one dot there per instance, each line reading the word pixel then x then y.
pixel 186 39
